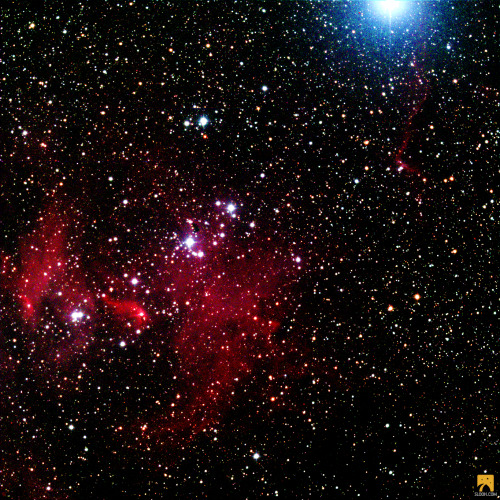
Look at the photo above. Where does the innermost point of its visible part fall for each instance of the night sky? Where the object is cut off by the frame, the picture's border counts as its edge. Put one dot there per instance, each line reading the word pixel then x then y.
pixel 248 249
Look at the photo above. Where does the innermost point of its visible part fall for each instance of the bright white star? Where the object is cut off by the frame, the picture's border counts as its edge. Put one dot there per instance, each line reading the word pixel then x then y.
pixel 391 7
pixel 77 315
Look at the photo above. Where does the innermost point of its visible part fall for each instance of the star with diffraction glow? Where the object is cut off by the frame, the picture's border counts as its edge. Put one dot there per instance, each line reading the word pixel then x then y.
pixel 390 7
pixel 189 242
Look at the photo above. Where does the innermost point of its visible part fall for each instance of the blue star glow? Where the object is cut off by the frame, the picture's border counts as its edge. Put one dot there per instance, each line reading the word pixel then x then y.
pixel 391 7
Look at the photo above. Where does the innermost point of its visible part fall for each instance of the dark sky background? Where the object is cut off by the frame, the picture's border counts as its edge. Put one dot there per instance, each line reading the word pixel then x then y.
pixel 248 249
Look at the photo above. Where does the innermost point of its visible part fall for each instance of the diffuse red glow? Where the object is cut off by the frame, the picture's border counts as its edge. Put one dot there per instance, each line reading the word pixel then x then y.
pixel 225 309
pixel 419 93
pixel 127 309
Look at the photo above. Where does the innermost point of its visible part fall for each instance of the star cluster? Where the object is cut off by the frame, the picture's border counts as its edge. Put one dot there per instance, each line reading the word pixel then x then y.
pixel 248 249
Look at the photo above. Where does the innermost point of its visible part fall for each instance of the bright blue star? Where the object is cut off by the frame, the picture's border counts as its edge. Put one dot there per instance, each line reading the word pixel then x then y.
pixel 391 7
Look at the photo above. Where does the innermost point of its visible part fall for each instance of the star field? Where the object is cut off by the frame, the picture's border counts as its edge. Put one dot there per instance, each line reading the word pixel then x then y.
pixel 248 249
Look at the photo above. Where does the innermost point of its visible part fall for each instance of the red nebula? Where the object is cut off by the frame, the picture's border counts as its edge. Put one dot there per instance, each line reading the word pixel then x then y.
pixel 42 263
pixel 128 309
pixel 215 317
pixel 419 92
pixel 232 309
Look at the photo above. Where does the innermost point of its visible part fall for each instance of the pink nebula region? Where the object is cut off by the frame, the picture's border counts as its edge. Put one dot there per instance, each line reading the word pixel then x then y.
pixel 209 312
